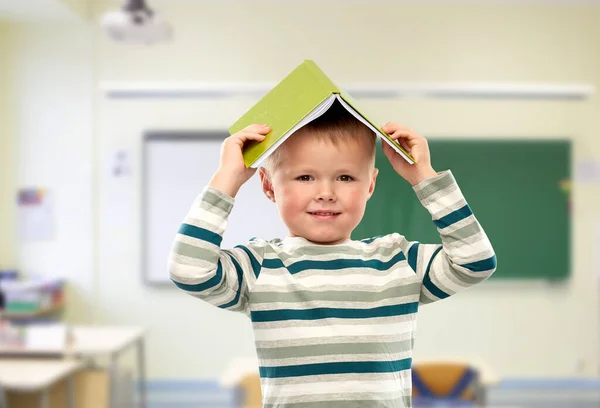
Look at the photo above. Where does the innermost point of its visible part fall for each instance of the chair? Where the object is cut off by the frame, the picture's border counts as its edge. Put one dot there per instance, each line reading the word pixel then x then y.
pixel 249 392
pixel 447 384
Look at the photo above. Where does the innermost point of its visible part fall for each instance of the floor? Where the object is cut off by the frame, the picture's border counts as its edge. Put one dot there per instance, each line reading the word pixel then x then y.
pixel 510 394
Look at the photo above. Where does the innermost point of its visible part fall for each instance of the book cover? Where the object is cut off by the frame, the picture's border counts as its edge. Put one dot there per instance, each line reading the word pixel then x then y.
pixel 287 104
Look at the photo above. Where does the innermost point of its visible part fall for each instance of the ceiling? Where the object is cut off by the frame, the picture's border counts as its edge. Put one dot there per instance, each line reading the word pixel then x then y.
pixel 63 10
pixel 36 10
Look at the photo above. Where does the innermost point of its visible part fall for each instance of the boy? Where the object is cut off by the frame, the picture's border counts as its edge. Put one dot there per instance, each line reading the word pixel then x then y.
pixel 333 318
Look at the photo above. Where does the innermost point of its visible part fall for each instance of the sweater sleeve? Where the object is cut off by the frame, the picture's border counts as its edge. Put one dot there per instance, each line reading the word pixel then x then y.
pixel 464 258
pixel 197 264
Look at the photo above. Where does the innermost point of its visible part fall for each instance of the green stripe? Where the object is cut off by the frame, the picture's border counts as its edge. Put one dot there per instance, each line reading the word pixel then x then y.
pixel 336 368
pixel 336 295
pixel 370 240
pixel 453 217
pixel 329 313
pixel 335 264
pixel 240 280
pixel 334 349
pixel 483 265
pixel 256 266
pixel 412 256
pixel 435 291
pixel 200 233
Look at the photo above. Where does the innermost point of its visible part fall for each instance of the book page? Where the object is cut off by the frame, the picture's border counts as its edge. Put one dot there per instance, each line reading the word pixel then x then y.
pixel 370 126
pixel 314 114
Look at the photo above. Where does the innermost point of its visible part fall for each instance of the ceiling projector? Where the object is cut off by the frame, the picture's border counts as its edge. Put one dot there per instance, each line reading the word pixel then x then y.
pixel 135 23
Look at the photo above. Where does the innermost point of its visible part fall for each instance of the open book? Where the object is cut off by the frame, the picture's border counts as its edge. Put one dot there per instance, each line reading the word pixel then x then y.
pixel 301 97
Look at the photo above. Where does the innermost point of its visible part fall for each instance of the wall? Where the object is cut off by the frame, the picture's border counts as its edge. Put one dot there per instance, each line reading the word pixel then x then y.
pixel 7 157
pixel 522 329
pixel 53 83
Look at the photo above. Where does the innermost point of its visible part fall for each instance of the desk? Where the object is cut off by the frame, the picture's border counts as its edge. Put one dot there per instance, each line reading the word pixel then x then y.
pixel 37 375
pixel 94 341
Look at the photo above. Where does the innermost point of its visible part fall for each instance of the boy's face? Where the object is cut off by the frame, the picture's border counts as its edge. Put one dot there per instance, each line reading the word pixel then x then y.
pixel 321 189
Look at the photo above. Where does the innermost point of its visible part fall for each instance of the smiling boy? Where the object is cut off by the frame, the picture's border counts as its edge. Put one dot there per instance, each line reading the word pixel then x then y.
pixel 334 319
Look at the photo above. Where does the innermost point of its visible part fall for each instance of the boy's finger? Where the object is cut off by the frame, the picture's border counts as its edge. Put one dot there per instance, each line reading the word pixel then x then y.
pixel 250 136
pixel 406 139
pixel 392 127
pixel 257 128
pixel 242 137
pixel 388 150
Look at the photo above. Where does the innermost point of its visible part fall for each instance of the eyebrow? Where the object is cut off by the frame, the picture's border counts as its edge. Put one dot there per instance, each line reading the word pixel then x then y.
pixel 304 170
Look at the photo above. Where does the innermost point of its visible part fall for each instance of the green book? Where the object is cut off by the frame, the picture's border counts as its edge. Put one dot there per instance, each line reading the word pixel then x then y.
pixel 301 97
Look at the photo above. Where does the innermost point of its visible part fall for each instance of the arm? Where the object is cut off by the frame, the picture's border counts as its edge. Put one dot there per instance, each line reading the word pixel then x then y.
pixel 198 266
pixel 466 256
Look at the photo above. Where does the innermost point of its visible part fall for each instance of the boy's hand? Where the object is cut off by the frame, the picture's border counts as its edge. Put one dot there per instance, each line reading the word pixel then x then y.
pixel 418 148
pixel 232 172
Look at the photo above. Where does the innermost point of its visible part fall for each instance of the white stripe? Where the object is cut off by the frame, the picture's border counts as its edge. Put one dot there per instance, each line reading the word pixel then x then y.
pixel 428 295
pixel 345 387
pixel 412 279
pixel 425 253
pixel 225 298
pixel 440 203
pixel 439 275
pixel 190 274
pixel 292 332
pixel 197 216
pixel 374 322
pixel 461 253
pixel 361 277
pixel 336 340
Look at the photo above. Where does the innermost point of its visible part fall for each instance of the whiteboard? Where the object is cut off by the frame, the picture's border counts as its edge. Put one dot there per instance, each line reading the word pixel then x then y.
pixel 176 167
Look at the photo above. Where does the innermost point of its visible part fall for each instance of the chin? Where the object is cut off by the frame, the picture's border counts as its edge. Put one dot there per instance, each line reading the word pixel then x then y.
pixel 325 239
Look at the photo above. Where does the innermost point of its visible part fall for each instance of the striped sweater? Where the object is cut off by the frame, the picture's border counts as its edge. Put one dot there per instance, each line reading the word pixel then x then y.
pixel 334 325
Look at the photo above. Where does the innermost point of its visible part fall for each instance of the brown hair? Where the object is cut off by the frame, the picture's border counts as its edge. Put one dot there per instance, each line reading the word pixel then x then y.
pixel 337 125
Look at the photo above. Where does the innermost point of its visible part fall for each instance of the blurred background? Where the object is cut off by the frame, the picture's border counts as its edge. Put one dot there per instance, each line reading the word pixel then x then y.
pixel 77 105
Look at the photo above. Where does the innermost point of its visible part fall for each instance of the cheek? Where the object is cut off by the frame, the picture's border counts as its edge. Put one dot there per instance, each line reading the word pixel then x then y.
pixel 357 199
pixel 291 201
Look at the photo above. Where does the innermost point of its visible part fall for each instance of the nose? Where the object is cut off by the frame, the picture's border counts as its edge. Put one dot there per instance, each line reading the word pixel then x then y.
pixel 325 192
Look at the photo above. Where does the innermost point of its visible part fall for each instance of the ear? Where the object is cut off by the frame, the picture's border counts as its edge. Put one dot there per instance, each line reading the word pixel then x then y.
pixel 267 185
pixel 373 180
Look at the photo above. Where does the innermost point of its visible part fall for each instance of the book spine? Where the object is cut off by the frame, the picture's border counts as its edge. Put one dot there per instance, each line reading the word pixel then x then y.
pixel 322 77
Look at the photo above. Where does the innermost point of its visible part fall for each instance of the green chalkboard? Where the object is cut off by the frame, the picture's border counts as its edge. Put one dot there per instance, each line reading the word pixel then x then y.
pixel 518 190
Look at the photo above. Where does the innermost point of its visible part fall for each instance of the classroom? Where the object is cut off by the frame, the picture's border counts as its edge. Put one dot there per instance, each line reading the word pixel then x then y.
pixel 105 143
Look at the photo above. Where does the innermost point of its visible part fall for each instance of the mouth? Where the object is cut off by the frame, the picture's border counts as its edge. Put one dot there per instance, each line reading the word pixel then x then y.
pixel 324 215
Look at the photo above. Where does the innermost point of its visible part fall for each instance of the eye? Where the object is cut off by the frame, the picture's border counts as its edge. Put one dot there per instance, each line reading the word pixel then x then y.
pixel 304 177
pixel 346 177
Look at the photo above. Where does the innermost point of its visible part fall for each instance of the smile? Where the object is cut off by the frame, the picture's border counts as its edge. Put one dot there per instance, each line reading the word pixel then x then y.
pixel 324 214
